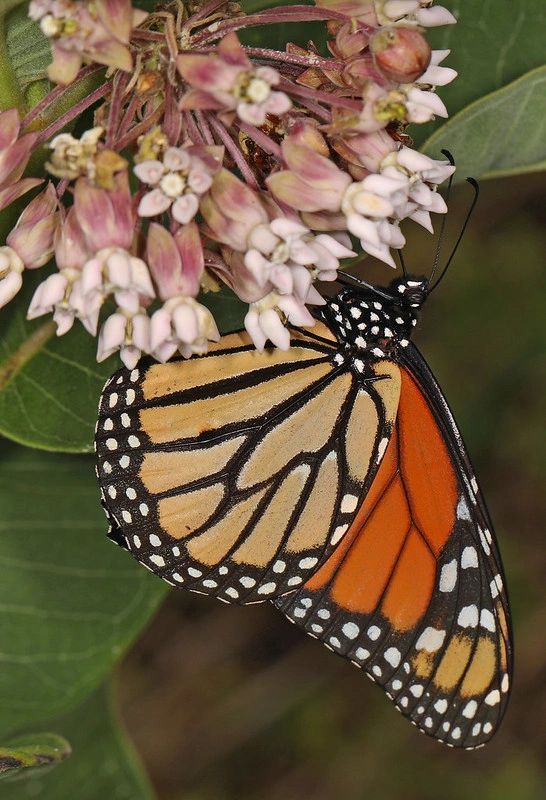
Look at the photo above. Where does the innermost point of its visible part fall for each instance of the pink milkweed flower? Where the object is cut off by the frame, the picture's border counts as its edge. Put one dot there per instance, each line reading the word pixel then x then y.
pixel 182 325
pixel 106 216
pixel 436 75
pixel 263 320
pixel 86 31
pixel 417 12
pixel 423 174
pixel 127 332
pixel 364 152
pixel 60 294
pixel 228 81
pixel 180 179
pixel 113 271
pixel 369 207
pixel 11 274
pixel 15 152
pixel 422 105
pixel 176 262
pixel 287 255
pixel 32 237
pixel 231 209
pixel 312 181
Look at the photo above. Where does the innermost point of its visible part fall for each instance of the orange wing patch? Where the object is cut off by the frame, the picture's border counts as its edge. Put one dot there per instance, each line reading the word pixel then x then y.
pixel 412 594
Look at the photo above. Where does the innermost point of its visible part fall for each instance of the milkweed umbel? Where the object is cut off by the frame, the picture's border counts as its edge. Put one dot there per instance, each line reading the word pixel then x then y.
pixel 331 479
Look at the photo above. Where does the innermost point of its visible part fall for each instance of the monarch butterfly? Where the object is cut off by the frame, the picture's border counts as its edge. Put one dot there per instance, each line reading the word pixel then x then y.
pixel 331 479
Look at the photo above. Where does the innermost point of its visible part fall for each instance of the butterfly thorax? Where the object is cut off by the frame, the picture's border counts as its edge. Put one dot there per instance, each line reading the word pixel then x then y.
pixel 371 326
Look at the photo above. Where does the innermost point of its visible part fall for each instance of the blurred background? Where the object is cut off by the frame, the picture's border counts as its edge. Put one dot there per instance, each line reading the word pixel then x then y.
pixel 227 703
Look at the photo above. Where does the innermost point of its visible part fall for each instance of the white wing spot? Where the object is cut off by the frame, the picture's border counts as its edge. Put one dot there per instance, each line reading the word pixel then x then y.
pixel 463 511
pixel 374 632
pixel 294 581
pixel 279 566
pixel 474 484
pixel 428 722
pixel 381 448
pixel 416 690
pixel 130 396
pixel 487 620
pixel 334 641
pixel 124 462
pixel 112 444
pixel 487 728
pixel 126 516
pixel 485 543
pixel 154 540
pixel 308 563
pixel 468 617
pixel 134 376
pixel 112 492
pixel 316 628
pixel 136 540
pixel 195 573
pixel 397 685
pixel 143 508
pixel 362 653
pixel 113 399
pixel 107 467
pixel 177 577
pixel 377 670
pixel 456 733
pixel 338 533
pixel 493 698
pixel 505 685
pixel 158 560
pixel 232 592
pixel 210 584
pixel 130 492
pixel 108 424
pixel 267 588
pixel 469 711
pixel 349 503
pixel 323 613
pixel 133 441
pixel 351 630
pixel 441 706
pixel 476 729
pixel 469 558
pixel 125 420
pixel 393 656
pixel 448 576
pixel 430 640
pixel 247 582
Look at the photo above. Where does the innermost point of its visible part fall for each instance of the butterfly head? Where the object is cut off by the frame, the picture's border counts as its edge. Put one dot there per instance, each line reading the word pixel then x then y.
pixel 410 291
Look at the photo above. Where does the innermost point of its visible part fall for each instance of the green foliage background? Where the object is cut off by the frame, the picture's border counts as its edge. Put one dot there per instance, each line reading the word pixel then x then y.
pixel 231 704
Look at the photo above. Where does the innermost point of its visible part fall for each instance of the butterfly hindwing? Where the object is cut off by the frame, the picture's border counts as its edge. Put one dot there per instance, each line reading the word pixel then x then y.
pixel 236 474
pixel 414 593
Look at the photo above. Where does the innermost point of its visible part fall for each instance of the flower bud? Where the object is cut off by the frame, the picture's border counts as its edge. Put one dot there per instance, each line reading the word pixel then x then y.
pixel 402 54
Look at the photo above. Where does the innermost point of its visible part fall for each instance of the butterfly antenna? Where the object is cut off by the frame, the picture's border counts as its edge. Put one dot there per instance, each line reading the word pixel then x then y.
pixel 440 239
pixel 475 185
pixel 402 261
pixel 350 280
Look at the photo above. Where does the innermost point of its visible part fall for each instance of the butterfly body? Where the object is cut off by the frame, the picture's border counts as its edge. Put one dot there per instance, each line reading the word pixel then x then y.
pixel 333 480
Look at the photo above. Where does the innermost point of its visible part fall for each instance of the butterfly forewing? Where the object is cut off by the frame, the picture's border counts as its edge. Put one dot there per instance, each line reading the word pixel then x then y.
pixel 238 473
pixel 414 593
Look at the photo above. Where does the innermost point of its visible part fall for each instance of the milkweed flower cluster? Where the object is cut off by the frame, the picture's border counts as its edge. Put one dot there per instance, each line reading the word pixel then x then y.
pixel 211 163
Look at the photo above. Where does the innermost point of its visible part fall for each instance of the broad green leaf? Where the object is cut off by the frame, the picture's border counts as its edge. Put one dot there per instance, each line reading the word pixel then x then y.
pixel 103 764
pixel 28 49
pixel 49 385
pixel 70 600
pixel 27 753
pixel 493 43
pixel 500 134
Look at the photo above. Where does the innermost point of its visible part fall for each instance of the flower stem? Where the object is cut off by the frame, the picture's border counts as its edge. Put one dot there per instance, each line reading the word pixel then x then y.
pixel 234 152
pixel 261 139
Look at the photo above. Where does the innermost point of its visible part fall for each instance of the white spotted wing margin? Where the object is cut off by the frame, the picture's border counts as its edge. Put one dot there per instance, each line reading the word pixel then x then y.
pixel 234 474
pixel 450 673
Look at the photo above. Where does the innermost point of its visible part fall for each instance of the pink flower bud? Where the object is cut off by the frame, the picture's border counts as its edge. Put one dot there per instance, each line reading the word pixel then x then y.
pixel 176 262
pixel 33 235
pixel 69 243
pixel 402 54
pixel 11 270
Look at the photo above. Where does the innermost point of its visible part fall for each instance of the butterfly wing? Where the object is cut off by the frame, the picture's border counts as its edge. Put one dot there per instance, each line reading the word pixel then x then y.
pixel 414 593
pixel 237 473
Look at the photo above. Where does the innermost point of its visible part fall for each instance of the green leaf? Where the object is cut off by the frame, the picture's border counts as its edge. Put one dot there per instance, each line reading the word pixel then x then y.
pixel 501 134
pixel 49 385
pixel 493 43
pixel 71 601
pixel 103 764
pixel 28 49
pixel 227 309
pixel 32 752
